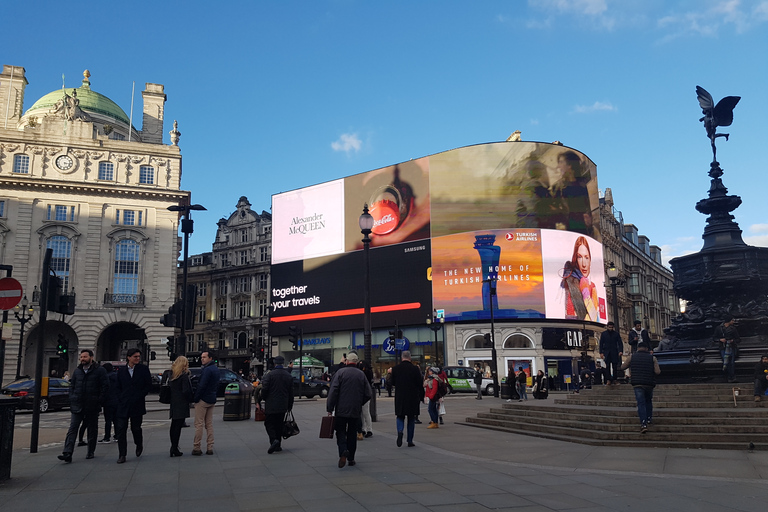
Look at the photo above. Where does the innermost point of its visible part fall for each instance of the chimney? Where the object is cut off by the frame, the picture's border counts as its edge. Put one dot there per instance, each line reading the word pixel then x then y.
pixel 154 111
pixel 12 85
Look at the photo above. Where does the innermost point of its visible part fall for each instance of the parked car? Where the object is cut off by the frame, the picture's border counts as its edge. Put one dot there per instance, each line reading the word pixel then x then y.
pixel 57 398
pixel 226 377
pixel 311 387
pixel 462 380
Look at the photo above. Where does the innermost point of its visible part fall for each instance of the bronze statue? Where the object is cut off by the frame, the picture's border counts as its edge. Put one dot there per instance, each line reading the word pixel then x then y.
pixel 716 115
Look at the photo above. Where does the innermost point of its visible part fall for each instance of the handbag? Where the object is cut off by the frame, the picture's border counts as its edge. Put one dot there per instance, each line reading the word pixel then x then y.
pixel 326 427
pixel 165 389
pixel 290 428
pixel 259 415
pixel 442 409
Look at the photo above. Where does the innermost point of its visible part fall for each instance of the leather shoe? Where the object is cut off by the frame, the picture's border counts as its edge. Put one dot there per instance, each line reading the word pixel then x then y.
pixel 411 445
pixel 352 463
pixel 139 450
pixel 197 452
pixel 66 457
pixel 399 439
pixel 343 459
pixel 89 456
pixel 82 443
pixel 274 446
pixel 209 452
pixel 121 459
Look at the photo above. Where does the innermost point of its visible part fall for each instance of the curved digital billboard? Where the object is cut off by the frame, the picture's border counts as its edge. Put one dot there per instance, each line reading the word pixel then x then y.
pixel 515 218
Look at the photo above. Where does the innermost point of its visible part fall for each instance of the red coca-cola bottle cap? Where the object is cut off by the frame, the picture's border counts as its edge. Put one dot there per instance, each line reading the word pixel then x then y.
pixel 386 216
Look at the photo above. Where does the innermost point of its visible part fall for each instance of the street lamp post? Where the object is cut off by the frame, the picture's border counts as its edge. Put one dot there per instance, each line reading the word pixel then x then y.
pixel 187 227
pixel 27 310
pixel 613 275
pixel 494 366
pixel 435 324
pixel 366 225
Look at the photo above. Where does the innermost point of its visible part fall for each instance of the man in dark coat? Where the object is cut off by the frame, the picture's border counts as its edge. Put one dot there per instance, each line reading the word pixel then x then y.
pixel 611 350
pixel 277 392
pixel 349 390
pixel 637 335
pixel 409 392
pixel 205 399
pixel 88 389
pixel 110 406
pixel 133 383
pixel 643 367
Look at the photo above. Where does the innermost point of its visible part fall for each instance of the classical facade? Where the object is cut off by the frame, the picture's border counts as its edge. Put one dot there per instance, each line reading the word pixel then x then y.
pixel 233 283
pixel 646 292
pixel 78 178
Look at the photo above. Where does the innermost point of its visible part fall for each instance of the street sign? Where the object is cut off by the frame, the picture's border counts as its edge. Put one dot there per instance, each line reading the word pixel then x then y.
pixel 399 344
pixel 10 293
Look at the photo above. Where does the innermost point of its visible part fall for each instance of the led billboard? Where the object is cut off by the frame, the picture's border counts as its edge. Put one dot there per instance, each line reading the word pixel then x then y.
pixel 523 213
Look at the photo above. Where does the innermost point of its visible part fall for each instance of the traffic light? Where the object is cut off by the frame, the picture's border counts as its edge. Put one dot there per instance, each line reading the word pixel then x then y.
pixel 173 317
pixel 254 346
pixel 190 305
pixel 260 353
pixel 170 346
pixel 294 336
pixel 62 348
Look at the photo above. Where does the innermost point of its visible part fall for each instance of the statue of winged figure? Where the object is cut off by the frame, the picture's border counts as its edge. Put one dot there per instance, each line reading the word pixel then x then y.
pixel 716 115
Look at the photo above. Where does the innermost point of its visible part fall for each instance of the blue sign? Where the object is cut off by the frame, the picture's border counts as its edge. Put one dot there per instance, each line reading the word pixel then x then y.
pixel 398 345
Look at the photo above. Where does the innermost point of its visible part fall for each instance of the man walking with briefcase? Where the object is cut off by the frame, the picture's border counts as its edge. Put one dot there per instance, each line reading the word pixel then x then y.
pixel 277 392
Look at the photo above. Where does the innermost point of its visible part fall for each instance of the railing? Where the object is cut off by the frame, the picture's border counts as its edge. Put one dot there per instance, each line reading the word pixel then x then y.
pixel 124 299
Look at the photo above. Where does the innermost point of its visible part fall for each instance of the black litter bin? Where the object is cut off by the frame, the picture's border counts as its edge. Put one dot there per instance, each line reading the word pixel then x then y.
pixel 7 419
pixel 236 402
pixel 507 390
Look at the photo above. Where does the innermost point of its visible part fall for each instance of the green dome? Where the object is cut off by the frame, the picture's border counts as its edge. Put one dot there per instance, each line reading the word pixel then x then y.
pixel 90 101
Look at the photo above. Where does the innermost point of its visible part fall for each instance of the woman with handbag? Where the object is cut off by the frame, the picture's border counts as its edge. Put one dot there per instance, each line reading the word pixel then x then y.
pixel 181 397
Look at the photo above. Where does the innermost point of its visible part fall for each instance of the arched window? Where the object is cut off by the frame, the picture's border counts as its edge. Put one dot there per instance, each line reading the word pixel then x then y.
pixel 476 342
pixel 21 164
pixel 518 341
pixel 126 276
pixel 61 258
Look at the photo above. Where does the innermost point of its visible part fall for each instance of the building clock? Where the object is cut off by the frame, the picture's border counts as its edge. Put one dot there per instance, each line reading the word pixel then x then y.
pixel 64 163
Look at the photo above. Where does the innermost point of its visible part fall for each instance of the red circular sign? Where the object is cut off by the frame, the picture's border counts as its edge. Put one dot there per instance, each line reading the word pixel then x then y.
pixel 10 293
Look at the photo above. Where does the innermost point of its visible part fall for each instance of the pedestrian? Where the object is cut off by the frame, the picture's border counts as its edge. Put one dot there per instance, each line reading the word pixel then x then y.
pixel 110 406
pixel 522 384
pixel 277 393
pixel 409 392
pixel 728 339
pixel 443 391
pixel 205 399
pixel 350 390
pixel 431 391
pixel 636 335
pixel 133 384
pixel 540 386
pixel 761 377
pixel 88 390
pixel 611 351
pixel 366 424
pixel 388 382
pixel 181 397
pixel 478 380
pixel 644 368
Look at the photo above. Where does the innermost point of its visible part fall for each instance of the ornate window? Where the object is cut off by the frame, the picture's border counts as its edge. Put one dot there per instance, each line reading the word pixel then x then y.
pixel 126 273
pixel 129 217
pixel 147 174
pixel 202 289
pixel 2 207
pixel 223 288
pixel 21 164
pixel 476 342
pixel 263 307
pixel 263 253
pixel 244 309
pixel 106 171
pixel 201 314
pixel 223 310
pixel 262 281
pixel 61 258
pixel 243 257
pixel 518 341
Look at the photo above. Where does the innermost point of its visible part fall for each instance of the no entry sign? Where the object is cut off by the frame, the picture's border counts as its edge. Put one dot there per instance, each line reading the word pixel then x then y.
pixel 10 293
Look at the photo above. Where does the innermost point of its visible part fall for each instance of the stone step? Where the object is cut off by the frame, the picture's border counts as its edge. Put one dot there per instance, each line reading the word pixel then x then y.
pixel 639 440
pixel 663 391
pixel 670 404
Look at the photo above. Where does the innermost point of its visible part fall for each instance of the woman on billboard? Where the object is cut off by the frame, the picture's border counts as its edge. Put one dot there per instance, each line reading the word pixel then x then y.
pixel 580 292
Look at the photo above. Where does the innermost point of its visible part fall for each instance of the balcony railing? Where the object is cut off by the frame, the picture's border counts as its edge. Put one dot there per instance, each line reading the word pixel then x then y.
pixel 135 300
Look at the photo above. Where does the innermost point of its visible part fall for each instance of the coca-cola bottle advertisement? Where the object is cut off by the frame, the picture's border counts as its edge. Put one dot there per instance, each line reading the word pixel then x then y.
pixel 397 199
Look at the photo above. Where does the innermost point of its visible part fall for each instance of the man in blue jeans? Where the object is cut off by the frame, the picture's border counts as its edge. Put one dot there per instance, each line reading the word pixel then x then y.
pixel 644 368
pixel 728 339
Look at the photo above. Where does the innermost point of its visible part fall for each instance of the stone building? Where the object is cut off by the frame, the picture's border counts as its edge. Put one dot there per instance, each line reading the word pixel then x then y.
pixel 646 292
pixel 233 283
pixel 77 177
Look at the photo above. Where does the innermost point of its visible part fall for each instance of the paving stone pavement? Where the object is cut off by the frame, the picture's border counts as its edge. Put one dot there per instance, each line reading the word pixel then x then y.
pixel 453 468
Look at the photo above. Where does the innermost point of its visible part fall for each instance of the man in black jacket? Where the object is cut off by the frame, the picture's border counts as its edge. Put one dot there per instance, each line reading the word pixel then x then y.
pixel 644 367
pixel 611 350
pixel 277 392
pixel 727 337
pixel 761 377
pixel 133 383
pixel 88 389
pixel 349 390
pixel 637 335
pixel 409 392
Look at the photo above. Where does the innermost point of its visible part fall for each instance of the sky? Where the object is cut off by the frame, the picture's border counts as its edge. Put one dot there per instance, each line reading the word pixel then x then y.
pixel 273 96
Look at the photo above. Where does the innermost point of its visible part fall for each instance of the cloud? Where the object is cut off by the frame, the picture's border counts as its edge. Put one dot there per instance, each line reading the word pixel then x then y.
pixel 760 238
pixel 348 143
pixel 713 16
pixel 592 12
pixel 595 107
